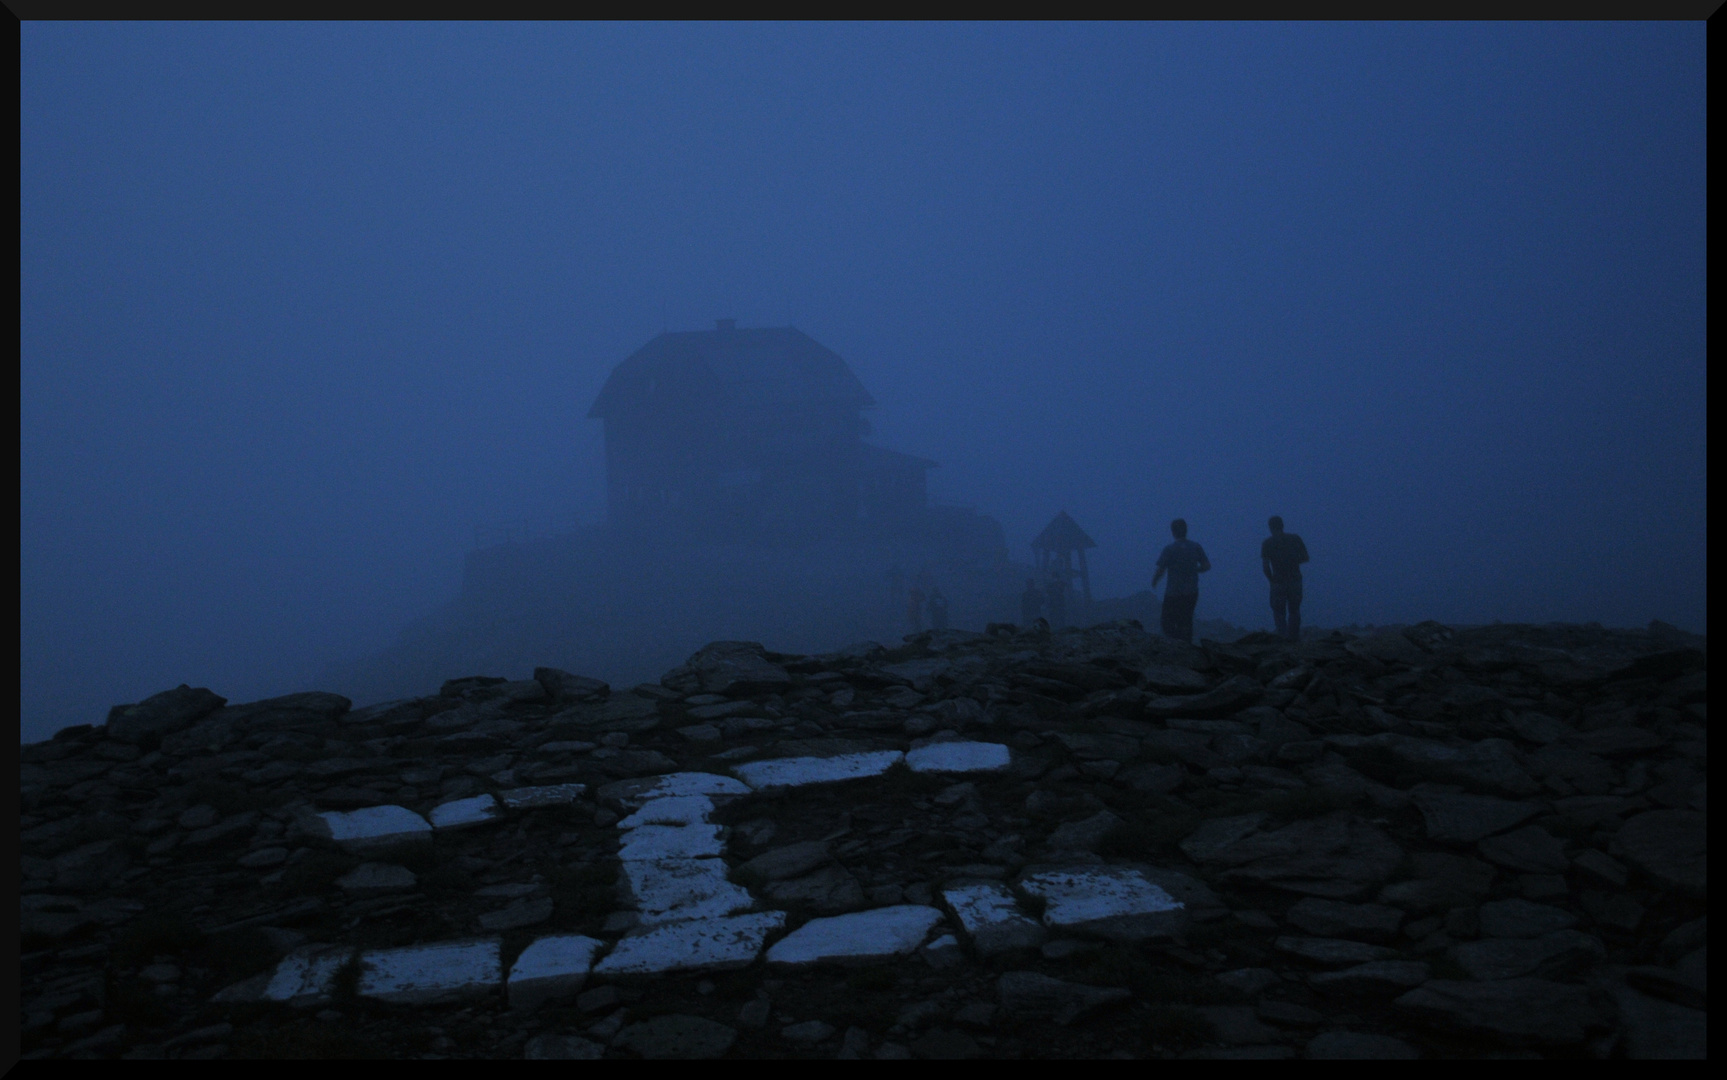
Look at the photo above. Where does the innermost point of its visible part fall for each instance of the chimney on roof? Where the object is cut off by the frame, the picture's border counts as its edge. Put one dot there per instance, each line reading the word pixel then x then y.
pixel 725 324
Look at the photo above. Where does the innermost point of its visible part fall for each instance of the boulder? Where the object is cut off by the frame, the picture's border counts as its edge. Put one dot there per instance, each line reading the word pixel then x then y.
pixel 561 686
pixel 162 714
pixel 1464 819
pixel 1489 765
pixel 1337 856
pixel 1527 1011
pixel 734 668
pixel 1228 699
pixel 1333 919
pixel 1037 996
pixel 1556 954
pixel 1670 846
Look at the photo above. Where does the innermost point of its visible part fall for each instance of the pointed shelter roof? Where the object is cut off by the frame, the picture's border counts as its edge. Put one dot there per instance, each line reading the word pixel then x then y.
pixel 779 367
pixel 1062 534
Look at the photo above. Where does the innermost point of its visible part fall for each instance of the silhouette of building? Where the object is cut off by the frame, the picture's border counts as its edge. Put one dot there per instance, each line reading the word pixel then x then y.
pixel 1060 550
pixel 749 434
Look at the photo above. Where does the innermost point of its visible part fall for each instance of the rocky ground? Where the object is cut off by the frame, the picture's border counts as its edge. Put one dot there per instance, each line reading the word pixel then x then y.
pixel 1407 843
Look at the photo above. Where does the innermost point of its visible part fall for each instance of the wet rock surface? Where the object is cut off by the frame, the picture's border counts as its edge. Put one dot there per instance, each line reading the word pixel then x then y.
pixel 1413 842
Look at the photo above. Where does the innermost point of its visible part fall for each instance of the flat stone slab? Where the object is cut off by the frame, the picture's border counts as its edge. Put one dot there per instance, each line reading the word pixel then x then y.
pixel 798 771
pixel 530 798
pixel 1529 850
pixel 1333 952
pixel 1464 819
pixel 959 757
pixel 374 826
pixel 551 968
pixel 1335 919
pixel 1557 953
pixel 830 890
pixel 655 842
pixel 306 973
pixel 376 879
pixel 790 861
pixel 857 937
pixel 667 890
pixel 693 945
pixel 633 794
pixel 562 1048
pixel 1373 977
pixel 1029 993
pixel 525 912
pixel 1670 846
pixel 466 813
pixel 1336 856
pixel 421 974
pixel 991 918
pixel 1114 902
pixel 673 810
pixel 1522 919
pixel 1522 1010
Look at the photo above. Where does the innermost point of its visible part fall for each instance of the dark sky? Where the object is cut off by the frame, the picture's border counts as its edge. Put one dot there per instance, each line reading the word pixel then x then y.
pixel 303 305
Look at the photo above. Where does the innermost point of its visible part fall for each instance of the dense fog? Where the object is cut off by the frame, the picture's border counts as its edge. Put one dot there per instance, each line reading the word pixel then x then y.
pixel 313 318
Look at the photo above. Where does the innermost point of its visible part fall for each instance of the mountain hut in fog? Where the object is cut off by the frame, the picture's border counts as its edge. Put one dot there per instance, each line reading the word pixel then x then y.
pixel 752 435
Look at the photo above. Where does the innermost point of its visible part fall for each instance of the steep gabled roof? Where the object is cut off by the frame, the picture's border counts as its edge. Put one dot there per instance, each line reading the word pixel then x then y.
pixel 1062 534
pixel 774 366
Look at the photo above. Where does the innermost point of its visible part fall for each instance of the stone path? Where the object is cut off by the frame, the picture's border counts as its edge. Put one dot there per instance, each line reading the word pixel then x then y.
pixel 1415 842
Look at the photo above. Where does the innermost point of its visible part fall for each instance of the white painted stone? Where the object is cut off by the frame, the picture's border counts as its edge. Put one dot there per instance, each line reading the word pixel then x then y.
pixel 305 975
pixel 674 810
pixel 1114 902
pixel 374 826
pixel 653 842
pixel 635 793
pixel 420 974
pixel 666 890
pixel 529 798
pixel 795 772
pixel 959 757
pixel 859 936
pixel 692 945
pixel 464 813
pixel 991 917
pixel 551 968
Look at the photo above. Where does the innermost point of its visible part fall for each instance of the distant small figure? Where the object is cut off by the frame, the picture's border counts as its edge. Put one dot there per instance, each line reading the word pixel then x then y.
pixel 1184 561
pixel 1057 590
pixel 914 610
pixel 1281 555
pixel 937 610
pixel 1030 603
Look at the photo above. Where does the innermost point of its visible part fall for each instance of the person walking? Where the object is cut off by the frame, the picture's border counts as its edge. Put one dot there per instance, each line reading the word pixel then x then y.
pixel 914 610
pixel 1281 555
pixel 1183 561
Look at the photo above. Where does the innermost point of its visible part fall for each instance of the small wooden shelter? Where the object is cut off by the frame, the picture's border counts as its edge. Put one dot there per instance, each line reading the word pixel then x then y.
pixel 1058 545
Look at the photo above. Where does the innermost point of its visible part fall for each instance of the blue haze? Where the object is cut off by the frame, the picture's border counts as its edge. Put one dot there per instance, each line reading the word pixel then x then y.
pixel 303 305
